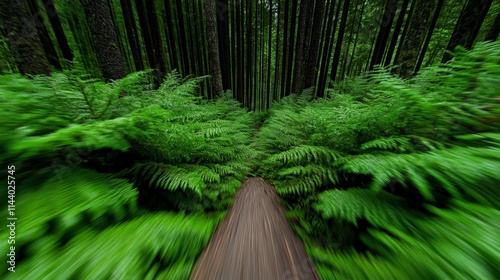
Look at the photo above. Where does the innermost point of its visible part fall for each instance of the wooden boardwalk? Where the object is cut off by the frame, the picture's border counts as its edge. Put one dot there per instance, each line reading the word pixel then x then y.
pixel 255 241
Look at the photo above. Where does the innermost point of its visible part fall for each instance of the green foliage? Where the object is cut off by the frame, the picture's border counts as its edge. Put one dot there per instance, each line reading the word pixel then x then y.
pixel 410 165
pixel 144 248
pixel 162 149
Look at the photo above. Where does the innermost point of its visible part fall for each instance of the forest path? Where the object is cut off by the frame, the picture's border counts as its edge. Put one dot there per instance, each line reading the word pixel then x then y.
pixel 255 241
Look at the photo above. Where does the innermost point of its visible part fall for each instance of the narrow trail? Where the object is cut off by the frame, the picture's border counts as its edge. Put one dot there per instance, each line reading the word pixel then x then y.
pixel 255 241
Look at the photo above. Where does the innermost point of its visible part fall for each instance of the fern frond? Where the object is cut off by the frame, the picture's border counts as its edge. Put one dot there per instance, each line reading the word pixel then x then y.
pixel 378 208
pixel 168 177
pixel 473 171
pixel 305 154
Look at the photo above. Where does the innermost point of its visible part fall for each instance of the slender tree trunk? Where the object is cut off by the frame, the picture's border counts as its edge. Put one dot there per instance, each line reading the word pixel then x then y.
pixel 213 47
pixel 494 29
pixel 327 48
pixel 291 49
pixel 43 33
pixel 298 75
pixel 170 34
pixel 269 44
pixel 412 44
pixel 132 34
pixel 249 42
pixel 106 45
pixel 154 28
pixel 395 35
pixel 284 65
pixel 312 62
pixel 223 32
pixel 383 35
pixel 182 38
pixel 58 29
pixel 338 47
pixel 351 69
pixel 24 41
pixel 429 35
pixel 277 81
pixel 469 22
pixel 234 71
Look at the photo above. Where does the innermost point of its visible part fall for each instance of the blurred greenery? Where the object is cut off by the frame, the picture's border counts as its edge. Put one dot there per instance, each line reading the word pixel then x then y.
pixel 383 179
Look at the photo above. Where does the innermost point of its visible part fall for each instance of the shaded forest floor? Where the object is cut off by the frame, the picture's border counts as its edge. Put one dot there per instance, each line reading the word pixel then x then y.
pixel 255 241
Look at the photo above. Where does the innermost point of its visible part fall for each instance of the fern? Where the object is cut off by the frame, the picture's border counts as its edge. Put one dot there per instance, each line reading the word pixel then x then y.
pixel 305 153
pixel 116 252
pixel 380 209
pixel 441 166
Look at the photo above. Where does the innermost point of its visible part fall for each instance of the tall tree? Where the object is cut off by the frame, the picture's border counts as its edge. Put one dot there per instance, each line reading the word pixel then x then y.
pixel 24 41
pixel 383 34
pixel 55 22
pixel 43 33
pixel 213 47
pixel 412 44
pixel 132 34
pixel 312 61
pixel 298 75
pixel 154 30
pixel 469 22
pixel 338 47
pixel 429 35
pixel 494 29
pixel 223 33
pixel 104 38
pixel 395 34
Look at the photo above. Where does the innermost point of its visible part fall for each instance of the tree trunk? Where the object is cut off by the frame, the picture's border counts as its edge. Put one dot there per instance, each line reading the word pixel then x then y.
pixel 58 30
pixel 328 39
pixel 106 45
pixel 213 48
pixel 395 35
pixel 494 29
pixel 223 33
pixel 48 46
pixel 132 34
pixel 338 47
pixel 412 44
pixel 383 35
pixel 312 62
pixel 429 36
pixel 291 48
pixel 24 42
pixel 298 75
pixel 469 22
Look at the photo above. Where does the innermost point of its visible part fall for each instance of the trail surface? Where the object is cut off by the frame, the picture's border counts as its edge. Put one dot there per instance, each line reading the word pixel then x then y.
pixel 255 241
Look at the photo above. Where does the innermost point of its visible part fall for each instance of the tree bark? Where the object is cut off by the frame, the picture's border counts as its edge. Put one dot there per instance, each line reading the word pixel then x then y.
pixel 429 36
pixel 132 34
pixel 24 41
pixel 298 75
pixel 223 33
pixel 58 30
pixel 412 44
pixel 43 33
pixel 383 35
pixel 213 48
pixel 106 45
pixel 338 47
pixel 312 62
pixel 395 35
pixel 469 22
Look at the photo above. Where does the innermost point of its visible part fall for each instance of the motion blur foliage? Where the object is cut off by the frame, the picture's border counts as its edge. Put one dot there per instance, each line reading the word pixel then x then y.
pixel 395 179
pixel 93 159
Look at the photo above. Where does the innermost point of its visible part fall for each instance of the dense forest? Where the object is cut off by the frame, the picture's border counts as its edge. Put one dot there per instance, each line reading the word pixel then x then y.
pixel 129 126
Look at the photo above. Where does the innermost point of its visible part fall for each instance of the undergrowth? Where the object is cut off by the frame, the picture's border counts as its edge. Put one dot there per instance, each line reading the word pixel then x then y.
pixel 392 178
pixel 112 178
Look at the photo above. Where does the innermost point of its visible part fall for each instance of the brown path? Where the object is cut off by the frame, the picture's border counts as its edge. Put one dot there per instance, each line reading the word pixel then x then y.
pixel 255 241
